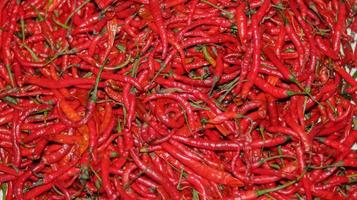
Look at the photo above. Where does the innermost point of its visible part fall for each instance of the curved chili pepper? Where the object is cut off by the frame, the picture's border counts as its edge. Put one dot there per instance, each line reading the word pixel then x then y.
pixel 274 91
pixel 283 70
pixel 37 191
pixel 205 171
pixel 184 103
pixel 150 171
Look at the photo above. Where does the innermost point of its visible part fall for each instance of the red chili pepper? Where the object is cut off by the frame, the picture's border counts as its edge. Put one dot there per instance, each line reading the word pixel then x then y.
pixel 37 191
pixel 19 183
pixel 325 48
pixel 297 43
pixel 345 75
pixel 202 170
pixel 155 11
pixel 303 136
pixel 283 70
pixel 274 91
pixel 184 103
pixel 254 194
pixel 105 177
pixel 341 18
pixel 256 57
pixel 241 20
pixel 6 178
pixel 58 155
pixel 8 170
pixel 150 171
pixel 219 67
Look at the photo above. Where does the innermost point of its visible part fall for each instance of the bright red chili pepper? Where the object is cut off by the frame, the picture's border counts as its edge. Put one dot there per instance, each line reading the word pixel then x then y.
pixel 241 20
pixel 155 11
pixel 150 171
pixel 205 171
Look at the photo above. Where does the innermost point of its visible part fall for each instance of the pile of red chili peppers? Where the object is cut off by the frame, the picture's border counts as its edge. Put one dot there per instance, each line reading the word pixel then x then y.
pixel 178 99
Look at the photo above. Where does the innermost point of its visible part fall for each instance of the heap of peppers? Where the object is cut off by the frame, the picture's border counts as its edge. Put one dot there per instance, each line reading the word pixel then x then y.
pixel 178 99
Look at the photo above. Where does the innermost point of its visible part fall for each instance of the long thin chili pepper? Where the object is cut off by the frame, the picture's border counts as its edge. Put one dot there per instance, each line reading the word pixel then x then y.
pixel 156 13
pixel 157 176
pixel 205 171
pixel 256 44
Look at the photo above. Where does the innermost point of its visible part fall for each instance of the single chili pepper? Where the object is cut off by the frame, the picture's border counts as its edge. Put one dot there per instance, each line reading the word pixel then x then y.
pixel 341 18
pixel 150 171
pixel 8 170
pixel 283 70
pixel 201 143
pixel 56 174
pixel 93 135
pixel 271 142
pixel 294 38
pixel 345 75
pixel 212 39
pixel 303 136
pixel 325 48
pixel 274 91
pixel 33 193
pixel 19 183
pixel 155 11
pixel 205 171
pixel 241 20
pixel 105 177
pixel 58 155
pixel 253 194
pixel 6 178
pixel 184 103
pixel 256 57
pixel 219 67
pixel 58 84
pixel 117 77
pixel 51 130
